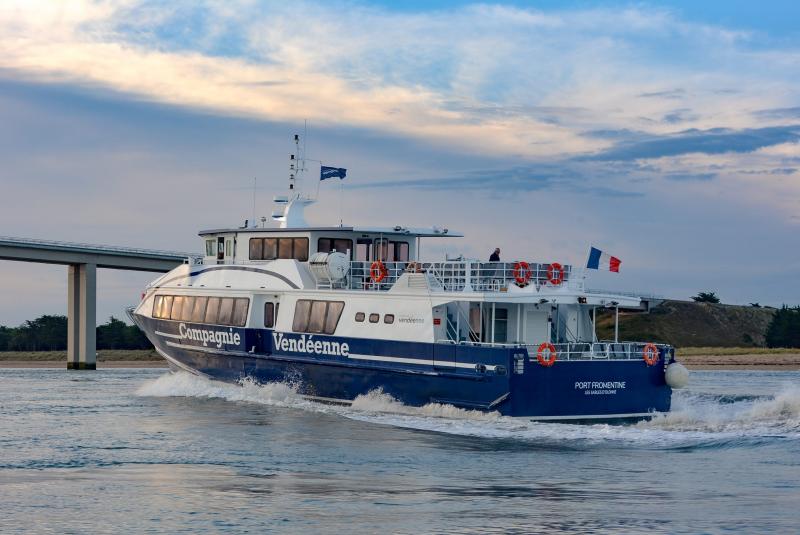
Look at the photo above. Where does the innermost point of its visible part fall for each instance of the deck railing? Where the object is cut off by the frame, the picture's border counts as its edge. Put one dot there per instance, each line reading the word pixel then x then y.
pixel 578 350
pixel 458 276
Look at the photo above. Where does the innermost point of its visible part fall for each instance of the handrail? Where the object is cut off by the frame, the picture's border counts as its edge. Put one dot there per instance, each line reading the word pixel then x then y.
pixel 576 350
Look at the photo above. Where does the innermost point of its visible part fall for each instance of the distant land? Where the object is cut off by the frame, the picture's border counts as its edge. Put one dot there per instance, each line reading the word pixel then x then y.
pixel 690 324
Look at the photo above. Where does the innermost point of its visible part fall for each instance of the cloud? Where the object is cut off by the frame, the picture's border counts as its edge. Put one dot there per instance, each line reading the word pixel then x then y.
pixel 492 79
pixel 713 141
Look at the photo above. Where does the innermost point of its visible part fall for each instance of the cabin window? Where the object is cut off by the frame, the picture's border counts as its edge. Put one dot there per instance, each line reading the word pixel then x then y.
pixel 332 316
pixel 316 321
pixel 256 248
pixel 360 317
pixel 301 311
pixel 400 251
pixel 202 309
pixel 320 317
pixel 270 248
pixel 374 318
pixel 210 248
pixel 186 311
pixel 301 249
pixel 239 316
pixel 362 250
pixel 388 318
pixel 225 311
pixel 326 245
pixel 177 305
pixel 269 315
pixel 284 248
pixel 212 309
pixel 199 309
pixel 381 250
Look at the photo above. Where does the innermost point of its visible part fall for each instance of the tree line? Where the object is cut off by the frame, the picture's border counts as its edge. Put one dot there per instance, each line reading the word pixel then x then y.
pixel 49 333
pixel 784 329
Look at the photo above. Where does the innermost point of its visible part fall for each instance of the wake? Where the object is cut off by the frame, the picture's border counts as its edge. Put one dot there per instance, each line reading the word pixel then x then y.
pixel 696 420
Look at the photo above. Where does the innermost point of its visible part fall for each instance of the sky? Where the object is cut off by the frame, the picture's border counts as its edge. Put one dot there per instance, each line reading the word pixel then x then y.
pixel 665 133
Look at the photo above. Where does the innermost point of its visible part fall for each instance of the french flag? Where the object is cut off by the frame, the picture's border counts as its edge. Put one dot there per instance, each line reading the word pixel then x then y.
pixel 600 260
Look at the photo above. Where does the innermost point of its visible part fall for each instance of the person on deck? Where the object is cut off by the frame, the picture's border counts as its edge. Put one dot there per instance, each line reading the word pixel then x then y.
pixel 495 256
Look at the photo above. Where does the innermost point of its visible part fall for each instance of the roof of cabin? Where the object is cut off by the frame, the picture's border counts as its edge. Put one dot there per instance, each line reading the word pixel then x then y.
pixel 387 231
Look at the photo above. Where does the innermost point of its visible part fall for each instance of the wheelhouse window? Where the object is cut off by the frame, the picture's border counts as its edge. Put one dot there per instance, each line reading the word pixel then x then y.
pixel 327 245
pixel 273 248
pixel 202 309
pixel 210 248
pixel 319 317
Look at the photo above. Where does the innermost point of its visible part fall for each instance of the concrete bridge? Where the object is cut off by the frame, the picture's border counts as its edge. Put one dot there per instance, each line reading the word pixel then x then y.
pixel 82 261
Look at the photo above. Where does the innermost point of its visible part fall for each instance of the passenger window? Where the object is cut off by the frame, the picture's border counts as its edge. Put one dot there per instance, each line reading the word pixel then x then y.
pixel 225 311
pixel 270 249
pixel 177 306
pixel 285 248
pixel 373 318
pixel 269 315
pixel 212 310
pixel 157 300
pixel 301 312
pixel 332 316
pixel 256 249
pixel 324 245
pixel 360 316
pixel 166 307
pixel 186 311
pixel 316 322
pixel 388 318
pixel 300 249
pixel 240 306
pixel 199 310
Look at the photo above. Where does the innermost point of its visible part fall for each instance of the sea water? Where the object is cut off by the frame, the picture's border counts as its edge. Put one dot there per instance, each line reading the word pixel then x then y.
pixel 120 451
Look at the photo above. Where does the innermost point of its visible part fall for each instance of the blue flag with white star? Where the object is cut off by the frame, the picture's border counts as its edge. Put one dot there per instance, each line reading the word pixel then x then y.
pixel 332 172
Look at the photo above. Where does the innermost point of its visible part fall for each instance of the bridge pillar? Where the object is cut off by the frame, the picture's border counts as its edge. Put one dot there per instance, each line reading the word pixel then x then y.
pixel 81 317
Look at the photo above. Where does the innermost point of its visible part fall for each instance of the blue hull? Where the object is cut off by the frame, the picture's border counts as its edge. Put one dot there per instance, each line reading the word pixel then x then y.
pixel 506 380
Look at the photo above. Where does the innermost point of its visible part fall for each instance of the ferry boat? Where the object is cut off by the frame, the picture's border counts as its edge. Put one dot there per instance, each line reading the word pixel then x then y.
pixel 340 311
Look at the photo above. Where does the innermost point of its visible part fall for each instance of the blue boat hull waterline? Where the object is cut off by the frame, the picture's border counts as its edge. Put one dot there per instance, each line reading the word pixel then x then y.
pixel 506 380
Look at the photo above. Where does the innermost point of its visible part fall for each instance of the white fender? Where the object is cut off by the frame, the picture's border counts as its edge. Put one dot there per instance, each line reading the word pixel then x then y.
pixel 676 375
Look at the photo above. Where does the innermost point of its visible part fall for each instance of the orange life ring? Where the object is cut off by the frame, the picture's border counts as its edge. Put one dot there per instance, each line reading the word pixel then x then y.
pixel 546 362
pixel 377 271
pixel 650 354
pixel 555 273
pixel 522 273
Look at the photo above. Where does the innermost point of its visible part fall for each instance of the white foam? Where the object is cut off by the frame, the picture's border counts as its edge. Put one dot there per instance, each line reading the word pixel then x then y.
pixel 694 420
